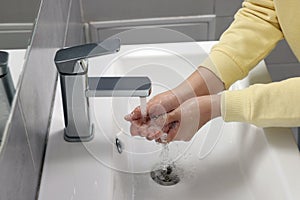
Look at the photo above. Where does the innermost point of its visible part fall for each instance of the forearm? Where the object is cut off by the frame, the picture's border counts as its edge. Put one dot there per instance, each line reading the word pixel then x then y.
pixel 209 108
pixel 265 105
pixel 199 83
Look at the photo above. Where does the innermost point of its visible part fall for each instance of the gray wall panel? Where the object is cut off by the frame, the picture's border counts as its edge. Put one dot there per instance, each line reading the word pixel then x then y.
pixel 222 23
pixel 282 63
pixel 281 54
pixel 196 27
pixel 284 71
pixel 15 36
pixel 22 159
pixel 14 11
pixel 95 11
pixel 18 11
pixel 99 10
pixel 227 8
pixel 15 15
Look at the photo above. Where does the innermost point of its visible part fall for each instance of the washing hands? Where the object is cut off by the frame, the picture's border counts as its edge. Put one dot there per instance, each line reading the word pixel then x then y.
pixel 179 112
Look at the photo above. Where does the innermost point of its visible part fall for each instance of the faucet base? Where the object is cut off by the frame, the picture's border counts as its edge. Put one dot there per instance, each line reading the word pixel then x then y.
pixel 79 138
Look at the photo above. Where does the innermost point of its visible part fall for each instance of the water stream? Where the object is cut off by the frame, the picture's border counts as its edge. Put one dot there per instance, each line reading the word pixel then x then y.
pixel 165 173
pixel 143 107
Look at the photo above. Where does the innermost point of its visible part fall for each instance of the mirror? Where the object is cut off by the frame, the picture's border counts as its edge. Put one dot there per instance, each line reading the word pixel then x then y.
pixel 16 28
pixel 7 90
pixel 11 64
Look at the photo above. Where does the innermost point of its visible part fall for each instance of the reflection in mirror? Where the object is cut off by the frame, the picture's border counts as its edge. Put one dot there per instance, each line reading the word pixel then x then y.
pixel 17 21
pixel 11 63
pixel 7 90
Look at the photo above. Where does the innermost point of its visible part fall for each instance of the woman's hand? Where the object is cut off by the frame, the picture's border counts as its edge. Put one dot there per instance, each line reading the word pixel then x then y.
pixel 183 122
pixel 186 120
pixel 199 84
pixel 158 105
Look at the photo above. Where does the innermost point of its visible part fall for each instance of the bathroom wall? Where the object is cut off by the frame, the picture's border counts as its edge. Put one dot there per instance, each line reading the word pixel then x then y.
pixel 183 16
pixel 21 159
pixel 16 22
pixel 17 17
pixel 16 11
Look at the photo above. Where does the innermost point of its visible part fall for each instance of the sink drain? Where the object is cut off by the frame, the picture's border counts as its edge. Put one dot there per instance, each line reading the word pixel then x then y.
pixel 165 176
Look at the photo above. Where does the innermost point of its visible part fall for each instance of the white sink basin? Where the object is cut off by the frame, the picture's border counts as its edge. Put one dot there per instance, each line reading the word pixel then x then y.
pixel 246 162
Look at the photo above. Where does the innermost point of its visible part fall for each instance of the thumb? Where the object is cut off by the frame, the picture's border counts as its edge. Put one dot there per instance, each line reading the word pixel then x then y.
pixel 173 116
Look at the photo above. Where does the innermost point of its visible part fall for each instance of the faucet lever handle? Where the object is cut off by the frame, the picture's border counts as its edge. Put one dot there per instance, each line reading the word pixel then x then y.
pixel 66 59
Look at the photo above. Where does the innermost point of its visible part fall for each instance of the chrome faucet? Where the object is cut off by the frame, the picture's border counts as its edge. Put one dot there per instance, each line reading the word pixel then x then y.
pixel 7 91
pixel 77 87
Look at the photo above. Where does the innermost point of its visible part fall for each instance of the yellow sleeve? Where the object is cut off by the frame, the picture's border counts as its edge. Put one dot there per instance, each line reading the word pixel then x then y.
pixel 266 105
pixel 250 38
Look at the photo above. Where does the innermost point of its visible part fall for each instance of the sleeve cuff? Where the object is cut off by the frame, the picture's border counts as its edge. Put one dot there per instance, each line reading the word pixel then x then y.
pixel 235 106
pixel 224 67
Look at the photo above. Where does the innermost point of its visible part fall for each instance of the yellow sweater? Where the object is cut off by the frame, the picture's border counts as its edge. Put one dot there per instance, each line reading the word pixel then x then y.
pixel 257 28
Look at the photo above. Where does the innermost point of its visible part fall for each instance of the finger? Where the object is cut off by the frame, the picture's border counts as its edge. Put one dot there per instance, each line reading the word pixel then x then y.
pixel 162 121
pixel 156 110
pixel 166 128
pixel 144 131
pixel 158 122
pixel 161 139
pixel 139 130
pixel 173 116
pixel 173 132
pixel 155 135
pixel 128 117
pixel 165 102
pixel 134 129
pixel 134 115
pixel 151 132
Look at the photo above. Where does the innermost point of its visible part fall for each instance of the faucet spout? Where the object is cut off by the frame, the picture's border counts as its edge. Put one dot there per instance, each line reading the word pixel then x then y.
pixel 119 87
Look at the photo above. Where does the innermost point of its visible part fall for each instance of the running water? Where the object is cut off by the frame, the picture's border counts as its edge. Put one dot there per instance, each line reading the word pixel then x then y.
pixel 166 173
pixel 143 107
pixel 165 151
